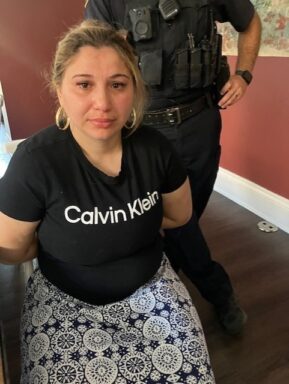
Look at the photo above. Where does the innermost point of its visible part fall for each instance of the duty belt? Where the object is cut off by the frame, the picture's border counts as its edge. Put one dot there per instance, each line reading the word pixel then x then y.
pixel 175 115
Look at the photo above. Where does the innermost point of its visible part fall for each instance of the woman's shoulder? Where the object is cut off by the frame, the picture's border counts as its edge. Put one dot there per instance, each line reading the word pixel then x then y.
pixel 43 139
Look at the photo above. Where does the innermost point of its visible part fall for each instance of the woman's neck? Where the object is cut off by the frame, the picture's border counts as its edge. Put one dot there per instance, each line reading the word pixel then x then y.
pixel 106 155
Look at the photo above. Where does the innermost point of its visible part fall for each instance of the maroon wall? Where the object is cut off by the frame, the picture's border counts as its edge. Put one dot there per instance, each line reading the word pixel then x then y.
pixel 255 136
pixel 28 34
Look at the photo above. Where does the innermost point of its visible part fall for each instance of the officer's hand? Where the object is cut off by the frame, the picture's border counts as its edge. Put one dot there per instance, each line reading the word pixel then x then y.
pixel 232 91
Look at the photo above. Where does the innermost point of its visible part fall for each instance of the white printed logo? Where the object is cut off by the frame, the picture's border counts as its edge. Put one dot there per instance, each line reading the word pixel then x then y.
pixel 73 214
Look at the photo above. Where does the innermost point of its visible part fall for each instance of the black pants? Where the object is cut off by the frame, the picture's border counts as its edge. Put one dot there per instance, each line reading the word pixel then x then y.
pixel 197 140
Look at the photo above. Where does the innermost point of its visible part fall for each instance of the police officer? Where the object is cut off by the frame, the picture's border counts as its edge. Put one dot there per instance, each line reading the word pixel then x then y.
pixel 181 60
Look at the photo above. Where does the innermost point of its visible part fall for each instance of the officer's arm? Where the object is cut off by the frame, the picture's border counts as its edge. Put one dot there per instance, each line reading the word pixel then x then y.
pixel 248 48
pixel 177 206
pixel 249 44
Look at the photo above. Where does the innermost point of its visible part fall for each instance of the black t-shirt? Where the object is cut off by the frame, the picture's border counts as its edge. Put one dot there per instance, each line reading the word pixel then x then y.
pixel 99 235
pixel 238 12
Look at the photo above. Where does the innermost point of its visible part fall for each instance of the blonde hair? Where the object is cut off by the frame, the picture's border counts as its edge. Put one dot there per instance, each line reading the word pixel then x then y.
pixel 98 34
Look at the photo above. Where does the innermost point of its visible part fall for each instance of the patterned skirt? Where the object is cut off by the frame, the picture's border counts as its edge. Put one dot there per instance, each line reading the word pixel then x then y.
pixel 152 336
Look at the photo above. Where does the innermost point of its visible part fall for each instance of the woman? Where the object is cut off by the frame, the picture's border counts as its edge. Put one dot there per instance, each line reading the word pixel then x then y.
pixel 88 197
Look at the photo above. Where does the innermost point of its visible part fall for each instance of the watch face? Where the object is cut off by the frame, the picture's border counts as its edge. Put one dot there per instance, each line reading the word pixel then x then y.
pixel 247 76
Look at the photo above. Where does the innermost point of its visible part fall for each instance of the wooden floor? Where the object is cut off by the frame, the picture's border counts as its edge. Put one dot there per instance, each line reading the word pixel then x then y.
pixel 258 264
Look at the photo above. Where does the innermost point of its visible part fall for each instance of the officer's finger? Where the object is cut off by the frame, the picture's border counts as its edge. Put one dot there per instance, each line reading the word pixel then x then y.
pixel 229 99
pixel 226 88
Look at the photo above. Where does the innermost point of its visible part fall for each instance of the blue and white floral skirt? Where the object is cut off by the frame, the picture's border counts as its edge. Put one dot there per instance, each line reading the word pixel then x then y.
pixel 153 336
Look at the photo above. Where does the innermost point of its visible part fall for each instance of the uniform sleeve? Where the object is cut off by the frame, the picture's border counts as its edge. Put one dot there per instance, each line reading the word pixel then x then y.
pixel 98 9
pixel 238 12
pixel 21 188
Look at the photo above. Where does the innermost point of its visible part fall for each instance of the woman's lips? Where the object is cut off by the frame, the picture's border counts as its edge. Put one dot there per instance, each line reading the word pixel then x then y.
pixel 102 122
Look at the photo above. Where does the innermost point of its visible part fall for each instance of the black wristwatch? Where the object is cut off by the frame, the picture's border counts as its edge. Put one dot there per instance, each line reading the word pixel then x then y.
pixel 246 75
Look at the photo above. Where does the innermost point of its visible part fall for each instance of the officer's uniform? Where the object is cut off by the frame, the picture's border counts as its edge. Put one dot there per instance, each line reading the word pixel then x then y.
pixel 180 59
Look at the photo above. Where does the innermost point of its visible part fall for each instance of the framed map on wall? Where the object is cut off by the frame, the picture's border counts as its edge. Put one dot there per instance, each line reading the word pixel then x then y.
pixel 274 15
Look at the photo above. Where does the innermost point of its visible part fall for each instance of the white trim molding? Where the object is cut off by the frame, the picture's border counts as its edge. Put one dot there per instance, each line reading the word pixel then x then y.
pixel 264 203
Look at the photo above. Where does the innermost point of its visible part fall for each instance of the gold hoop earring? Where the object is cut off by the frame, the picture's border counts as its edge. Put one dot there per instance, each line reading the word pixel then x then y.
pixel 61 119
pixel 132 120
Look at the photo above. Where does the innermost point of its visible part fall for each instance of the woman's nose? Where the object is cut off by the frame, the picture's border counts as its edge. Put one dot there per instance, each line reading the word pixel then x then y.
pixel 101 98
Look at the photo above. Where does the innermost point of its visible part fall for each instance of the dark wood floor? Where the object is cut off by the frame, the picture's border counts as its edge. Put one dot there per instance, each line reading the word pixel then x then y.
pixel 258 264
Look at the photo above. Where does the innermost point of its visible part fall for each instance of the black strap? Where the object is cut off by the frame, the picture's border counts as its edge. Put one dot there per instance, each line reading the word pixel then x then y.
pixel 176 114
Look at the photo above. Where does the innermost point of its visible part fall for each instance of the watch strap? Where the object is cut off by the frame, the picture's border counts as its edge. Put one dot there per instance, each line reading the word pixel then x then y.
pixel 246 75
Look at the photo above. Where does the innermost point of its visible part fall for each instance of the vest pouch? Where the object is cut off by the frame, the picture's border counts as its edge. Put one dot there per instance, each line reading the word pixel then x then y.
pixel 208 71
pixel 182 75
pixel 218 53
pixel 151 63
pixel 223 75
pixel 195 68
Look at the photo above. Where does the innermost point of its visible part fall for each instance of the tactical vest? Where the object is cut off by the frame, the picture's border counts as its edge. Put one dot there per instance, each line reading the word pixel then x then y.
pixel 178 46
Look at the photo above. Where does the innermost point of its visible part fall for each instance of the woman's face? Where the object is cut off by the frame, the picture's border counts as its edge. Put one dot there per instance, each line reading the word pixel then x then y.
pixel 96 93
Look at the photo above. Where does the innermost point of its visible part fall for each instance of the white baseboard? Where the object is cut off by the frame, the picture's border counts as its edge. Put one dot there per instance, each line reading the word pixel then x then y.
pixel 264 203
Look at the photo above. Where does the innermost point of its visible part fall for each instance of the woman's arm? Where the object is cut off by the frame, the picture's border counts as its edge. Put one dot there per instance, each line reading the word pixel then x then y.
pixel 177 206
pixel 18 241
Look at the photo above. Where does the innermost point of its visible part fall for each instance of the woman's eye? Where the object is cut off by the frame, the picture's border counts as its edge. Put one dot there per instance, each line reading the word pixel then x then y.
pixel 117 85
pixel 83 85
